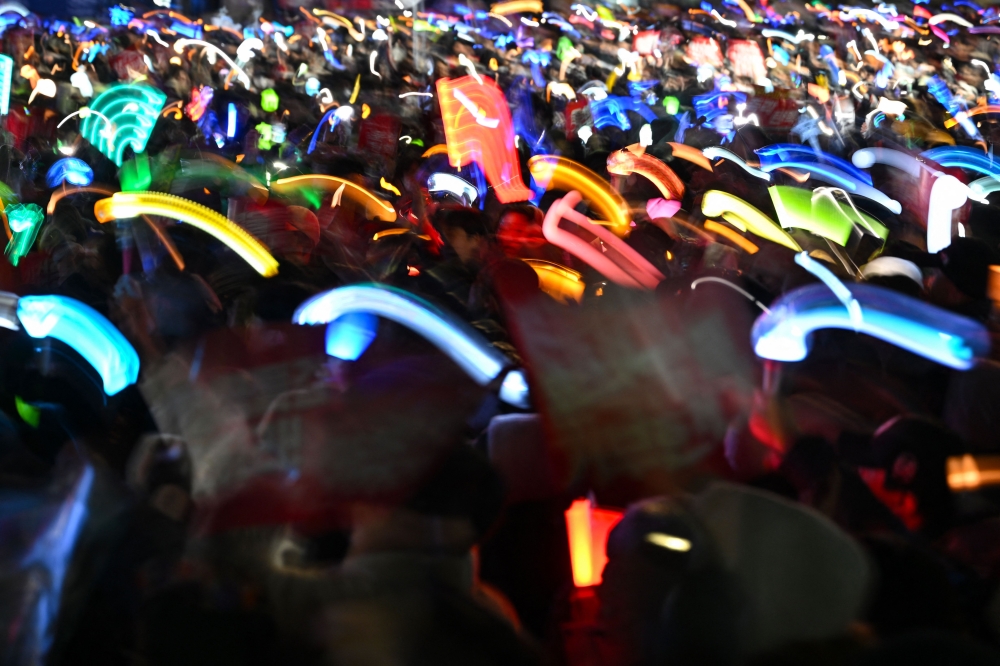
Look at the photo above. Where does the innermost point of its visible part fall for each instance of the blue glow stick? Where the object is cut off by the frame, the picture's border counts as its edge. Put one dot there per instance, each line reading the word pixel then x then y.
pixel 611 110
pixel 348 337
pixel 835 176
pixel 87 331
pixel 231 125
pixel 838 288
pixel 955 106
pixel 777 152
pixel 784 333
pixel 963 157
pixel 459 341
pixel 70 170
pixel 6 72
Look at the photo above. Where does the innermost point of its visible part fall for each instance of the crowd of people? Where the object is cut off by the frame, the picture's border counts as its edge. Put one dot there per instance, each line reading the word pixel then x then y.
pixel 523 333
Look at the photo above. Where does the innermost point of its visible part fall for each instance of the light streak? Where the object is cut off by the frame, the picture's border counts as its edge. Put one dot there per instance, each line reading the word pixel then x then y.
pixel 132 204
pixel 717 153
pixel 926 330
pixel 87 331
pixel 375 207
pixel 560 173
pixel 633 159
pixel 622 265
pixel 459 341
pixel 745 217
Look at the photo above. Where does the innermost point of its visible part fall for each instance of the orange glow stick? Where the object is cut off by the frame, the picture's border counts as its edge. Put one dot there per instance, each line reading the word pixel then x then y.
pixel 439 149
pixel 692 155
pixel 611 256
pixel 731 236
pixel 478 128
pixel 587 528
pixel 560 173
pixel 561 283
pixel 970 472
pixel 634 159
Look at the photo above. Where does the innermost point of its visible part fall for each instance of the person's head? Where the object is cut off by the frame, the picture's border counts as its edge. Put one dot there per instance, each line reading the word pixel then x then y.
pixel 465 230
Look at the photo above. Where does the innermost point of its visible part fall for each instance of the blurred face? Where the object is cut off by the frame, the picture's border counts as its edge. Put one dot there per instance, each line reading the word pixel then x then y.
pixel 466 247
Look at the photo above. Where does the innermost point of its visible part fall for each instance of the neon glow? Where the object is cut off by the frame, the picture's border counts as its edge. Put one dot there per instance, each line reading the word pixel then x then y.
pixel 611 110
pixel 52 551
pixel 6 74
pixel 459 341
pixel 25 220
pixel 348 336
pixel 690 154
pixel 821 213
pixel 551 172
pixel 926 330
pixel 123 115
pixel 375 208
pixel 838 177
pixel 963 157
pixel 231 121
pixel 634 159
pixel 947 194
pixel 70 170
pixel 469 108
pixel 971 472
pixel 717 153
pixel 124 205
pixel 835 285
pixel 87 331
pixel 559 282
pixel 587 528
pixel 611 256
pixel 201 99
pixel 457 187
pixel 731 236
pixel 745 217
pixel 777 153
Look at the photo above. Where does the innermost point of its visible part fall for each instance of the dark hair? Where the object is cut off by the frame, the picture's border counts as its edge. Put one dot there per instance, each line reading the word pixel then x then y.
pixel 469 220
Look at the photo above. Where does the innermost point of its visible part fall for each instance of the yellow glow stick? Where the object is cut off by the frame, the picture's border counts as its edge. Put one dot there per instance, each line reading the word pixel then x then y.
pixel 561 283
pixel 516 7
pixel 133 204
pixel 559 173
pixel 375 207
pixel 745 217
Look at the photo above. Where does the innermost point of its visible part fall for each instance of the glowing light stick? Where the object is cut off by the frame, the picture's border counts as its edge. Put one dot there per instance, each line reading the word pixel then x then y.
pixel 464 345
pixel 731 236
pixel 971 472
pixel 842 293
pixel 955 106
pixel 745 217
pixel 123 115
pixel 836 176
pixel 783 334
pixel 964 157
pixel 866 158
pixel 587 529
pixel 212 52
pixel 690 154
pixel 516 7
pixel 551 172
pixel 52 551
pixel 820 213
pixel 24 220
pixel 717 153
pixel 634 159
pixel 561 283
pixel 781 34
pixel 468 109
pixel 334 117
pixel 133 204
pixel 947 194
pixel 231 118
pixel 6 73
pixel 87 331
pixel 459 187
pixel 610 110
pixel 954 18
pixel 779 152
pixel 348 336
pixel 375 208
pixel 70 170
pixel 612 257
